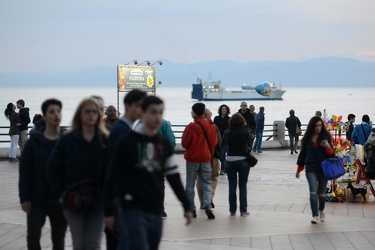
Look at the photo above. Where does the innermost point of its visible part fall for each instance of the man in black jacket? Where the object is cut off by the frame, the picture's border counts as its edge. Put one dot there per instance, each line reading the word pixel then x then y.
pixel 25 120
pixel 36 198
pixel 249 118
pixel 135 181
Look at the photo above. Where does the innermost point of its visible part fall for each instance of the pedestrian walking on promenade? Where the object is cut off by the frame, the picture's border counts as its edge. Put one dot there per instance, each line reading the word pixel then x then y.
pixel 14 131
pixel 78 164
pixel 316 147
pixel 350 125
pixel 237 138
pixel 199 140
pixel 36 198
pixel 362 131
pixel 134 183
pixel 25 120
pixel 215 166
pixel 222 122
pixel 259 119
pixel 291 124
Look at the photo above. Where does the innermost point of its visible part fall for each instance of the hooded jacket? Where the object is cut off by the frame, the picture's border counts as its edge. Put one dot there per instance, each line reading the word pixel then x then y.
pixel 250 119
pixel 195 143
pixel 25 118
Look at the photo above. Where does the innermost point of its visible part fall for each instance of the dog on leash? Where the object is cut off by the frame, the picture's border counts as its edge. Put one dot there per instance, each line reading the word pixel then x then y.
pixel 355 191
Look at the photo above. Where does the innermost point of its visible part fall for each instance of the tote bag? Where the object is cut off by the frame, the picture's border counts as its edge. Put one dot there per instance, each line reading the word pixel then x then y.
pixel 333 168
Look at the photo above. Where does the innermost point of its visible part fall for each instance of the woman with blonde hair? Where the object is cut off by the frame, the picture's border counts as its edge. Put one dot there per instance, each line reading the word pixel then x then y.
pixel 78 164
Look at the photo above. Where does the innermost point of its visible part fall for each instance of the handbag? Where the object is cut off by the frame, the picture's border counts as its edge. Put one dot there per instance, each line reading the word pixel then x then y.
pixel 251 159
pixel 82 196
pixel 333 168
pixel 298 129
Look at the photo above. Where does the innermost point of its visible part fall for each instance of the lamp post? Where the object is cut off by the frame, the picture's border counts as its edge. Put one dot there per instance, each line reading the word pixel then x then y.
pixel 160 63
pixel 132 61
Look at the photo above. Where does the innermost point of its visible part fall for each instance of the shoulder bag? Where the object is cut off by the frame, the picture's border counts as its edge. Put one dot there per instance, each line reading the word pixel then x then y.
pixel 298 129
pixel 333 168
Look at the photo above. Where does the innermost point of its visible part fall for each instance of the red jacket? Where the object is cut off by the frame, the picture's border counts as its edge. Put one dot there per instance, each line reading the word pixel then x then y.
pixel 194 141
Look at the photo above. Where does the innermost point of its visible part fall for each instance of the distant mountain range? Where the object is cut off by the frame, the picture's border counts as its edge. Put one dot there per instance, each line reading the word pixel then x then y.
pixel 320 72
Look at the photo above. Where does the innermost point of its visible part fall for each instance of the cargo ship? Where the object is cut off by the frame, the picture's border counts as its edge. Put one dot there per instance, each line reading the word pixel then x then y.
pixel 212 91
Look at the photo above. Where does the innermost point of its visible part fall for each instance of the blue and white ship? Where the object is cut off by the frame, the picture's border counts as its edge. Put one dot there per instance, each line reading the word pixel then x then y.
pixel 212 91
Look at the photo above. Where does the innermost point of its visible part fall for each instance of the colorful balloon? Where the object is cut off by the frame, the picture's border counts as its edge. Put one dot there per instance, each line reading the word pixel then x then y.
pixel 263 89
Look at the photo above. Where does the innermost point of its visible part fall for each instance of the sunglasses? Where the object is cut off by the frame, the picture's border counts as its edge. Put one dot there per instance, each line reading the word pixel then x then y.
pixel 90 111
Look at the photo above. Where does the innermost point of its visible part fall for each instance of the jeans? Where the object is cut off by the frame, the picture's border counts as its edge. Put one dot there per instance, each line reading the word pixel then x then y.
pixel 222 155
pixel 139 230
pixel 318 189
pixel 203 171
pixel 35 222
pixel 13 146
pixel 243 169
pixel 258 139
pixel 293 141
pixel 86 228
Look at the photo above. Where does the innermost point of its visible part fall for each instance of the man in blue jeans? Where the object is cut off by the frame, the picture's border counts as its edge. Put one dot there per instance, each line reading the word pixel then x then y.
pixel 135 184
pixel 199 140
pixel 259 119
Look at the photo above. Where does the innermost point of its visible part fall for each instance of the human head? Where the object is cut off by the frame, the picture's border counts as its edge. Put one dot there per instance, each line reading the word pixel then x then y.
pixel 318 113
pixel 111 113
pixel 291 112
pixel 237 121
pixel 152 112
pixel 20 103
pixel 8 111
pixel 88 113
pixel 37 117
pixel 366 118
pixel 224 109
pixel 198 109
pixel 49 102
pixel 243 106
pixel 51 110
pixel 208 114
pixel 252 107
pixel 315 126
pixel 351 117
pixel 261 109
pixel 132 102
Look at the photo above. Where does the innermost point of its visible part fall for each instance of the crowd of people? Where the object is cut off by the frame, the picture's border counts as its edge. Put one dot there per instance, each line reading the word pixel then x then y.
pixel 107 173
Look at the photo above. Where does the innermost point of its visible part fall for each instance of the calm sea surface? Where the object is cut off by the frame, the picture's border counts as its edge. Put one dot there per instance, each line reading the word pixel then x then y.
pixel 305 101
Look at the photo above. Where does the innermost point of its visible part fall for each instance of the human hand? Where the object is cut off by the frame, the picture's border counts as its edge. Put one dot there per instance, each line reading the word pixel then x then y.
pixel 188 216
pixel 297 175
pixel 110 223
pixel 325 144
pixel 26 207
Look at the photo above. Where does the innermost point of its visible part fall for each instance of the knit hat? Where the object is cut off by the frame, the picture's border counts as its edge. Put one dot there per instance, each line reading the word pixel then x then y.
pixel 198 108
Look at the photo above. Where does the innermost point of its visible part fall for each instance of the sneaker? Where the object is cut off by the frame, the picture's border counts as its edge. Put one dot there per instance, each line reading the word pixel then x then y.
pixel 245 214
pixel 322 216
pixel 164 214
pixel 232 214
pixel 201 207
pixel 254 150
pixel 259 151
pixel 295 151
pixel 222 172
pixel 15 160
pixel 194 214
pixel 10 159
pixel 315 220
pixel 291 152
pixel 209 213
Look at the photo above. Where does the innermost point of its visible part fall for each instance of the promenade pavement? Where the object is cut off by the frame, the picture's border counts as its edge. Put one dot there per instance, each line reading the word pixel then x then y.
pixel 279 215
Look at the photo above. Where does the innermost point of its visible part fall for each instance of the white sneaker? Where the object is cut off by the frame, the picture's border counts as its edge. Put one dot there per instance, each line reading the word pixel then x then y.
pixel 322 216
pixel 315 220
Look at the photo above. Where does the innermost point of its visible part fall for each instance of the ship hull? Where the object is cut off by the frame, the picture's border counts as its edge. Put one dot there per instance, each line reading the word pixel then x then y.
pixel 233 95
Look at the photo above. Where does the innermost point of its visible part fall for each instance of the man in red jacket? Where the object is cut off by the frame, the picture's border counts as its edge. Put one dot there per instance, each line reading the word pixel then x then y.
pixel 199 140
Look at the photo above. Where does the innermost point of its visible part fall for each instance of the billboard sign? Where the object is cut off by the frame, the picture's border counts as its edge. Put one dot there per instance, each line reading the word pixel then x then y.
pixel 136 77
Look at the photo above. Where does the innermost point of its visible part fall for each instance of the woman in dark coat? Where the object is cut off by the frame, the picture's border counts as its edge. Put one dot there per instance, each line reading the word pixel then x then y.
pixel 316 147
pixel 80 156
pixel 222 122
pixel 236 165
pixel 15 123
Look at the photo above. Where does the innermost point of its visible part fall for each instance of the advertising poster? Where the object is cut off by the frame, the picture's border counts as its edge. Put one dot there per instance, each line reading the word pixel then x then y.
pixel 136 77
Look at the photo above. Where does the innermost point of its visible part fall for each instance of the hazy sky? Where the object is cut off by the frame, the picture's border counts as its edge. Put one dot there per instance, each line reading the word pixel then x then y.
pixel 44 35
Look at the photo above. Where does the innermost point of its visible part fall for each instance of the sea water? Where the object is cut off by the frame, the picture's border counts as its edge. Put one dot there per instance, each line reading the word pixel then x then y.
pixel 178 102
